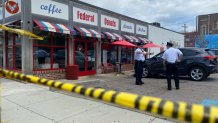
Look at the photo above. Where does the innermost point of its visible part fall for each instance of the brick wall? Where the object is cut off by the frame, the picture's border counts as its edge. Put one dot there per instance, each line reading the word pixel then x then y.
pixel 51 74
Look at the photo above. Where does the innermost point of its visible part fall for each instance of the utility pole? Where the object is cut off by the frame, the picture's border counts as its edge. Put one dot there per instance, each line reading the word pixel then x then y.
pixel 185 27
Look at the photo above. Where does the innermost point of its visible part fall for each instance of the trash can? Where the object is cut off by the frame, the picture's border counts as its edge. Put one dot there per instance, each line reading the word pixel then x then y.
pixel 72 72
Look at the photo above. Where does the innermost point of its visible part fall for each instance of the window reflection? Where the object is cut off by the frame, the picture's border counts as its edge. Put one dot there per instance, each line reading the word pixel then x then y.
pixel 60 58
pixel 51 53
pixel 42 59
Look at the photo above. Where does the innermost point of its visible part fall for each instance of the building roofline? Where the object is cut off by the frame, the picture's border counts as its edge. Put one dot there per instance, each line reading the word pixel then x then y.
pixel 121 15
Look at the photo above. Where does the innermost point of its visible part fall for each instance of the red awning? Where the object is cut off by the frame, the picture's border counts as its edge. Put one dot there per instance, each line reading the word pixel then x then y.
pixel 151 45
pixel 123 43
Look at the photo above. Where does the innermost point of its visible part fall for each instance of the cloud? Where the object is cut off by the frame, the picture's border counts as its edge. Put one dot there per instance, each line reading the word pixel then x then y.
pixel 172 14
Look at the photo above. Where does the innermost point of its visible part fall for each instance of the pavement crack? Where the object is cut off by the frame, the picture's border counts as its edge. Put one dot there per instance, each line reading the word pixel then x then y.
pixel 30 110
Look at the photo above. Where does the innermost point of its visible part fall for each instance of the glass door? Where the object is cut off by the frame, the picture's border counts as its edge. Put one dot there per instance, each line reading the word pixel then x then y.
pixel 85 57
pixel 80 55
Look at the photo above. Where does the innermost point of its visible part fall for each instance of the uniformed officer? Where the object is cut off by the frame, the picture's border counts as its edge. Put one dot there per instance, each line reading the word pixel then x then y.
pixel 171 57
pixel 139 59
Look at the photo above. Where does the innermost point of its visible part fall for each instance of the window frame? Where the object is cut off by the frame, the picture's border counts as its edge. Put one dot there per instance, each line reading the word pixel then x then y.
pixel 13 46
pixel 52 47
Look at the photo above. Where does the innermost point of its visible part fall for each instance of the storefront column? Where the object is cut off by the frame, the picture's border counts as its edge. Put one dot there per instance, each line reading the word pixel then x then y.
pixel 71 50
pixel 4 51
pixel 98 54
pixel 26 42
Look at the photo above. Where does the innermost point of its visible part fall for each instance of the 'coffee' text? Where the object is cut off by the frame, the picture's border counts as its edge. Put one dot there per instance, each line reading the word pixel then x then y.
pixel 51 8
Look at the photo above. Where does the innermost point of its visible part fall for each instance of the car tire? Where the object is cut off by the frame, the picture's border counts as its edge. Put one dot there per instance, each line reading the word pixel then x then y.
pixel 146 72
pixel 197 73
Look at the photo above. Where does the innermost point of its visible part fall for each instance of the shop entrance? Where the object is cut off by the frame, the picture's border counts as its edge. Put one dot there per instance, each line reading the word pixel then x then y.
pixel 85 57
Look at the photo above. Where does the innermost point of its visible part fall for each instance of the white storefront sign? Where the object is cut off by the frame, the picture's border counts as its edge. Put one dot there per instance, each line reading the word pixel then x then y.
pixel 109 22
pixel 142 30
pixel 12 7
pixel 84 16
pixel 50 8
pixel 127 26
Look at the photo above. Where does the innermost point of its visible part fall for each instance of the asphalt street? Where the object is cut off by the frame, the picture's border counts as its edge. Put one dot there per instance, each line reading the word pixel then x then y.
pixel 190 91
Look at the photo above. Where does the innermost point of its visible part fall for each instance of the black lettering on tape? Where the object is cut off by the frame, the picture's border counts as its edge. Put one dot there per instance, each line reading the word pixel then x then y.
pixel 150 105
pixel 161 106
pixel 188 113
pixel 206 115
pixel 137 102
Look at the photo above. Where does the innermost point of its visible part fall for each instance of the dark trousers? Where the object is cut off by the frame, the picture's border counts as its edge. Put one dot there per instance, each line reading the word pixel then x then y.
pixel 138 72
pixel 172 70
pixel 135 67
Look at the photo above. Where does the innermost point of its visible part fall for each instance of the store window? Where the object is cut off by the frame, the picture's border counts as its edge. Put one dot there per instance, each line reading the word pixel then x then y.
pixel 126 55
pixel 109 54
pixel 51 53
pixel 13 51
pixel 1 52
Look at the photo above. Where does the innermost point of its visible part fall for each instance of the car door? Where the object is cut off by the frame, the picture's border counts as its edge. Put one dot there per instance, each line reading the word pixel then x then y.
pixel 156 65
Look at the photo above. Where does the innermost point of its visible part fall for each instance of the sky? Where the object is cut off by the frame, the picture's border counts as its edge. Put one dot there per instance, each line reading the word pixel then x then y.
pixel 171 14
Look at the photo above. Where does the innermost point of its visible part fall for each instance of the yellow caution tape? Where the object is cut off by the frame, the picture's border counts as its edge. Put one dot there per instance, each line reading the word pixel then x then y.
pixel 21 32
pixel 178 110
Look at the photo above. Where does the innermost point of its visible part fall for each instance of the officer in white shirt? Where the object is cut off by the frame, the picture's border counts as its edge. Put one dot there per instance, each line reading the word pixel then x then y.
pixel 139 59
pixel 171 57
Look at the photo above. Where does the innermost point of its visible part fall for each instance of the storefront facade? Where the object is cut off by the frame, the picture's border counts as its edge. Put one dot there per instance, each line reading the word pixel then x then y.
pixel 74 33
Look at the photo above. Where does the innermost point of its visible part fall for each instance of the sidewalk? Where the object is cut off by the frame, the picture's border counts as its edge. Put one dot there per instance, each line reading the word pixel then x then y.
pixel 28 103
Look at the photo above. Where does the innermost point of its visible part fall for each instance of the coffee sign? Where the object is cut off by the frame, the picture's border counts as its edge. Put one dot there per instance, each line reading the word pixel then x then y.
pixel 127 26
pixel 142 30
pixel 50 8
pixel 84 16
pixel 109 22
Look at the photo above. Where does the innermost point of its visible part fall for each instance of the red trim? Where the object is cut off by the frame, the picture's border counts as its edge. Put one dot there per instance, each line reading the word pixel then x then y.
pixel 86 72
pixel 40 25
pixel 52 47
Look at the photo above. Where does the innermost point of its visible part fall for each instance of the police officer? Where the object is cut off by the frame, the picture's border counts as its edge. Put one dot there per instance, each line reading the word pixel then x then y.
pixel 139 59
pixel 171 57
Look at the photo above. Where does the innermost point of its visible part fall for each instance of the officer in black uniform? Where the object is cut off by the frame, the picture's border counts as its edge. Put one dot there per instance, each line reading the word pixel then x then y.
pixel 139 59
pixel 171 57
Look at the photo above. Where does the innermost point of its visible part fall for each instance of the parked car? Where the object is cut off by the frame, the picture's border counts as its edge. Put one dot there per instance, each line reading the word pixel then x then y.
pixel 215 51
pixel 197 63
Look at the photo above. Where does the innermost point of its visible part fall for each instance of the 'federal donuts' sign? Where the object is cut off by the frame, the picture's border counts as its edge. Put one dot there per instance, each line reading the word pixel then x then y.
pixel 109 22
pixel 84 16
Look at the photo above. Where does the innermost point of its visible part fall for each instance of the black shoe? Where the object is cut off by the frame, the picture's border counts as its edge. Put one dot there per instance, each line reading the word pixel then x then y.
pixel 169 89
pixel 177 88
pixel 138 83
pixel 142 82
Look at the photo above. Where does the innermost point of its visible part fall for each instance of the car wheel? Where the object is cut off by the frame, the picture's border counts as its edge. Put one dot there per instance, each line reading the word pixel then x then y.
pixel 146 72
pixel 197 74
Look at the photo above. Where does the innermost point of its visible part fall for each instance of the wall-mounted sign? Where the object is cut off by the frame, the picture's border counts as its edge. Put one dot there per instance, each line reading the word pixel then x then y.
pixel 109 22
pixel 142 30
pixel 50 8
pixel 84 16
pixel 1 13
pixel 12 7
pixel 127 26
